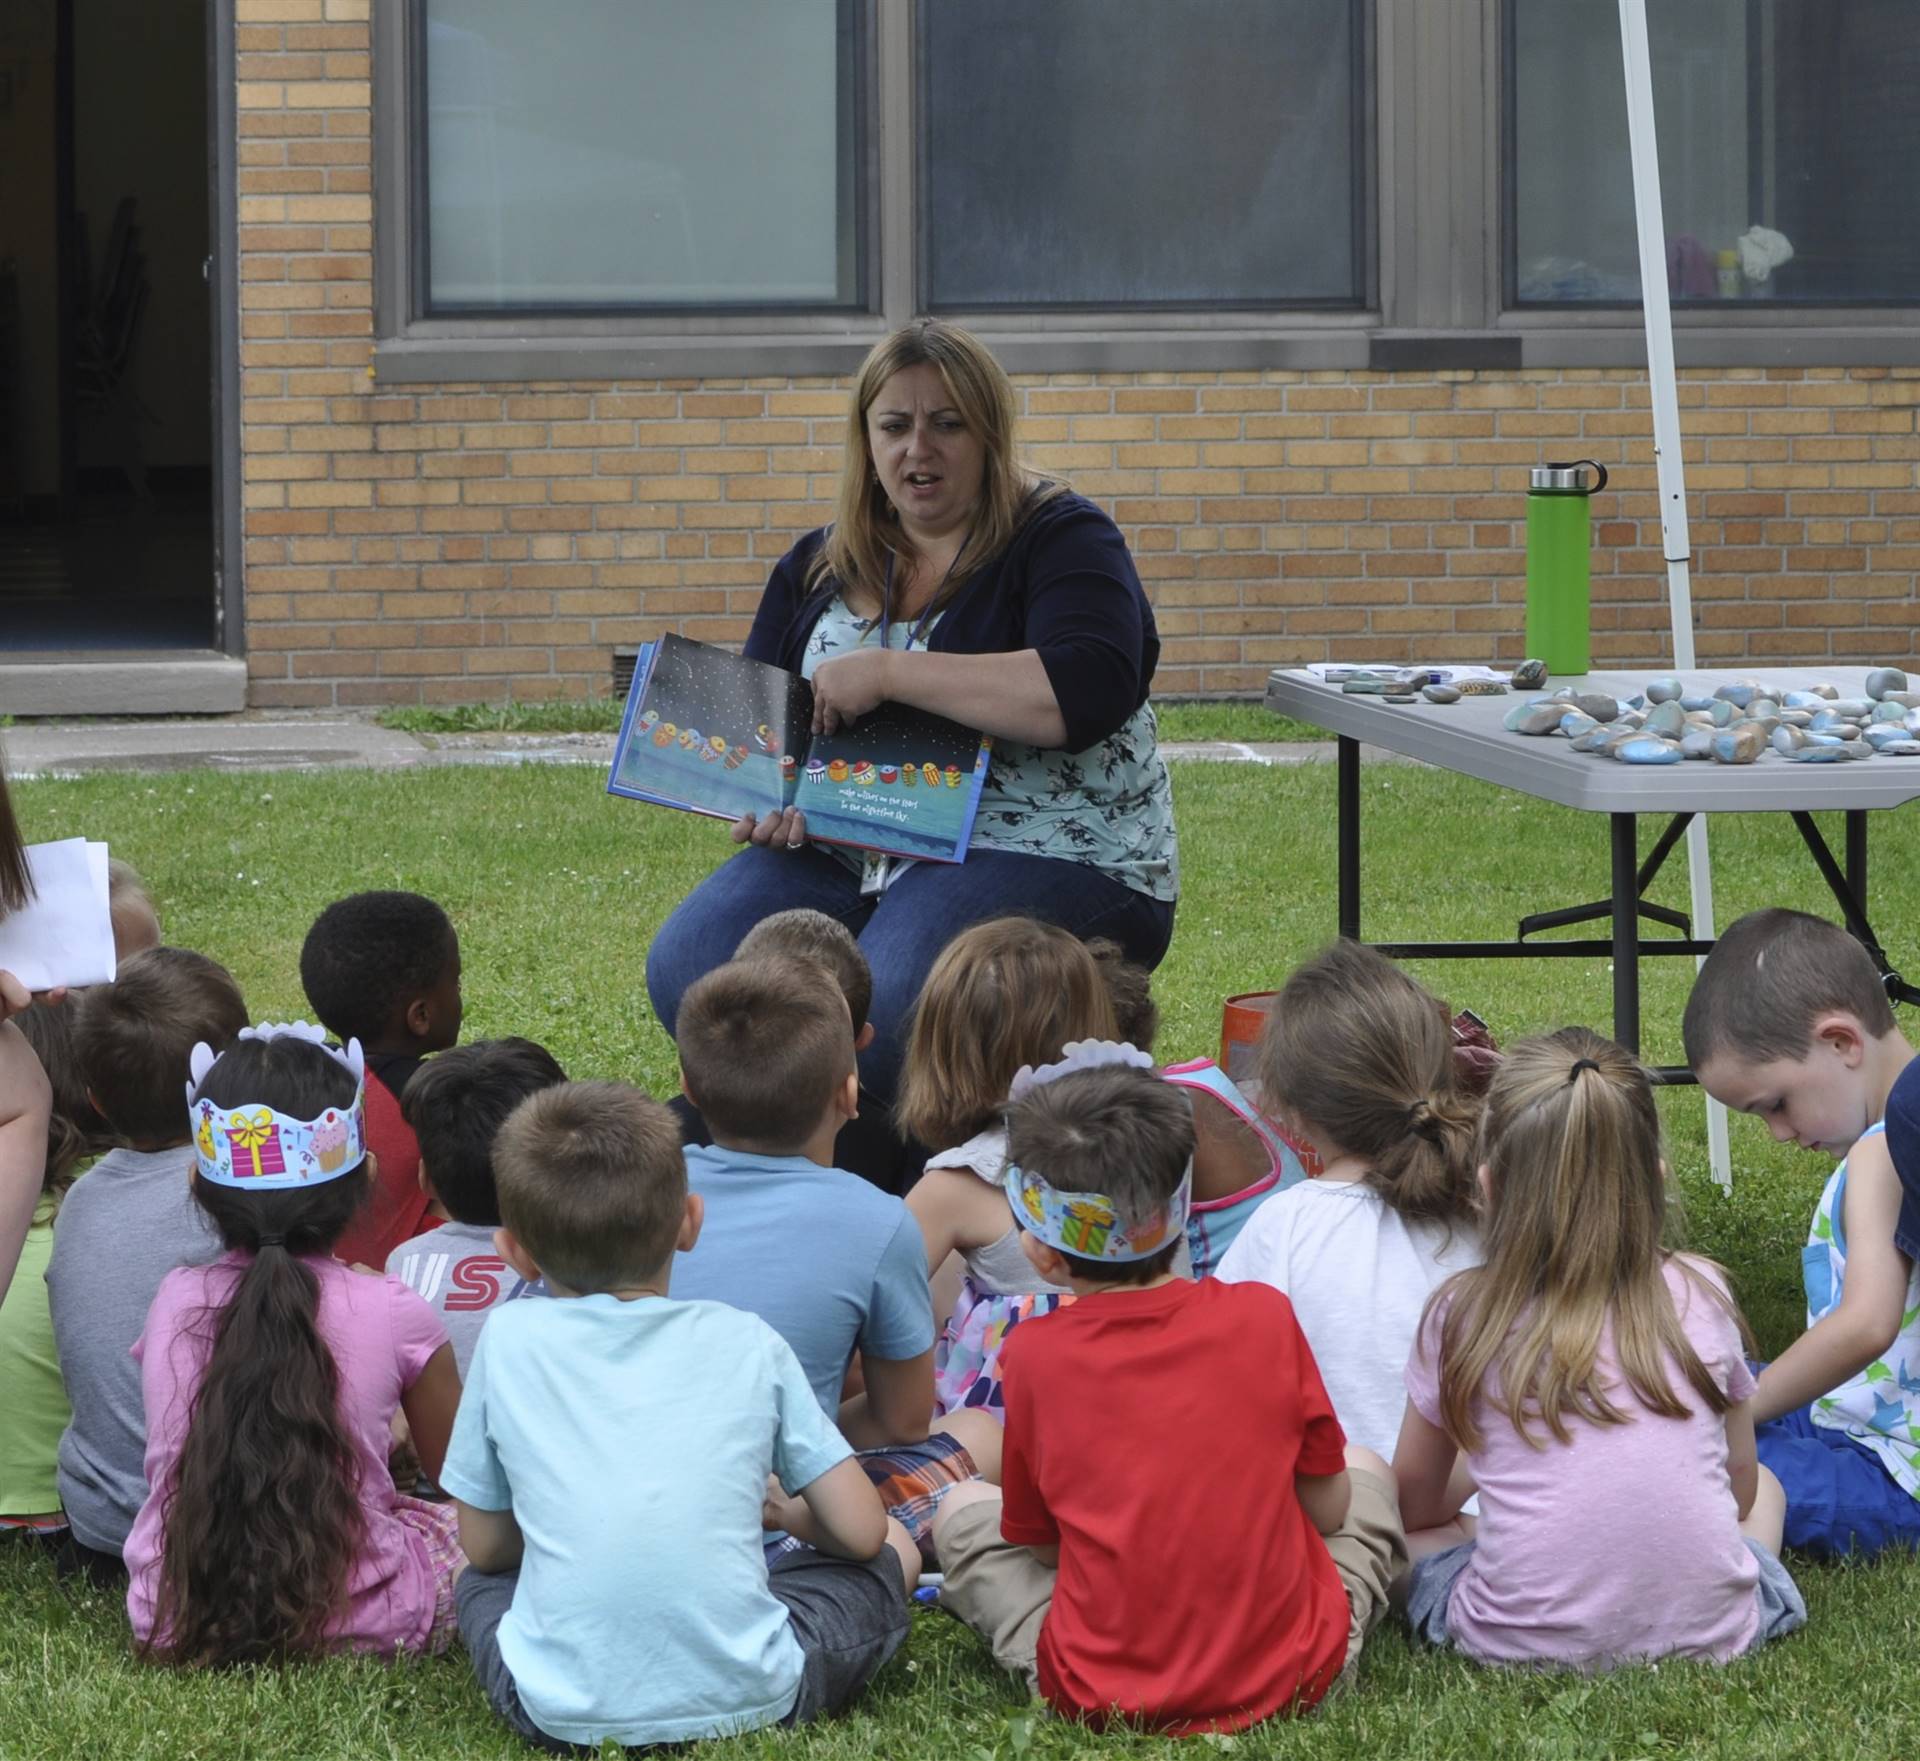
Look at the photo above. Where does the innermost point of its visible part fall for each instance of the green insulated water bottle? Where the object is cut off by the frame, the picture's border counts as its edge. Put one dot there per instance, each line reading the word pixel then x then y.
pixel 1559 539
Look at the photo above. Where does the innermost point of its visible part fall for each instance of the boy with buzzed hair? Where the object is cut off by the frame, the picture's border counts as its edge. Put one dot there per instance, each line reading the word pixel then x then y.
pixel 1789 1021
pixel 126 1223
pixel 384 968
pixel 1097 1574
pixel 834 1266
pixel 612 1485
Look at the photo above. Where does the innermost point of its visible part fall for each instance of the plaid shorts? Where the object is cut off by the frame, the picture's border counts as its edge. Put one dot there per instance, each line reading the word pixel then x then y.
pixel 910 1478
pixel 438 1525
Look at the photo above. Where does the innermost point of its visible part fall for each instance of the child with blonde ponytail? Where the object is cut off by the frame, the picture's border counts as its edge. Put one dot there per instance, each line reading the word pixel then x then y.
pixel 1358 1060
pixel 1597 1387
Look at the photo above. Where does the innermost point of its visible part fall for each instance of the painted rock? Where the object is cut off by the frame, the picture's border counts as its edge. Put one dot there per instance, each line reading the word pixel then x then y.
pixel 1722 712
pixel 1697 743
pixel 1883 734
pixel 1665 690
pixel 1901 749
pixel 1574 723
pixel 1826 722
pixel 1534 718
pixel 1763 709
pixel 1739 694
pixel 1739 745
pixel 1598 705
pixel 1906 699
pixel 1647 749
pixel 1803 700
pixel 1530 675
pixel 1796 718
pixel 1888 711
pixel 1787 741
pixel 1814 738
pixel 1667 717
pixel 1823 689
pixel 1401 697
pixel 1913 721
pixel 1365 688
pixel 1853 708
pixel 1695 701
pixel 1566 694
pixel 1822 755
pixel 1483 688
pixel 1595 739
pixel 1441 694
pixel 1884 679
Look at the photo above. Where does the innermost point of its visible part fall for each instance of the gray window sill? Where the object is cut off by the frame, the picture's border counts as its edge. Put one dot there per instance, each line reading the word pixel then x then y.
pixel 1524 340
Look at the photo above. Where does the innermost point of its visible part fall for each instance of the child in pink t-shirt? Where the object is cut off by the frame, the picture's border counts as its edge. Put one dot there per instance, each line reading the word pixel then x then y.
pixel 272 1527
pixel 1598 1389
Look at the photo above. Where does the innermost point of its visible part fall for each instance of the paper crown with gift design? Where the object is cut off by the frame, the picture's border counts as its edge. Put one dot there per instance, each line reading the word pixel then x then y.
pixel 259 1150
pixel 1089 1225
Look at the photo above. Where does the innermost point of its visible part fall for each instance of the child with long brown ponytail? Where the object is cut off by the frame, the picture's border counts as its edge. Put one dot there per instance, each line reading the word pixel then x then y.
pixel 1357 1059
pixel 1597 1387
pixel 272 1528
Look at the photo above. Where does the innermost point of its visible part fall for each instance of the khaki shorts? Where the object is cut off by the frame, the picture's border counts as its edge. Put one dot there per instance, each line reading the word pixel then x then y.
pixel 1003 1592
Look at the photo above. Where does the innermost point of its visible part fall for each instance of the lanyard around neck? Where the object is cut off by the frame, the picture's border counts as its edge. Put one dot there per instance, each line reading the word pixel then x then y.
pixel 919 630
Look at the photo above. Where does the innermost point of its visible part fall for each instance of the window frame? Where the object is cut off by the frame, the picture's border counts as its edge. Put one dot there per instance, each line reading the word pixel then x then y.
pixel 1435 81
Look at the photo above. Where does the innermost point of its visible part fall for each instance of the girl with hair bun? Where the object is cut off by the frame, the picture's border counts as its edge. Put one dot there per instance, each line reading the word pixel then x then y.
pixel 272 1528
pixel 1357 1059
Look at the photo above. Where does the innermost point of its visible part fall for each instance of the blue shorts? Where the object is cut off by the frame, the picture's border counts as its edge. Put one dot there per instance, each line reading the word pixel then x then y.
pixel 1840 1499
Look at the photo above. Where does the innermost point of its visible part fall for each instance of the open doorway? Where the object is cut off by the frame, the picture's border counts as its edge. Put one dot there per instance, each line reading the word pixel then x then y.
pixel 107 444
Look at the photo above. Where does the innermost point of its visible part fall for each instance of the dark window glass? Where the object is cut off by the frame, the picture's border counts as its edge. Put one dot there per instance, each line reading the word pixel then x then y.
pixel 640 154
pixel 1101 153
pixel 1788 132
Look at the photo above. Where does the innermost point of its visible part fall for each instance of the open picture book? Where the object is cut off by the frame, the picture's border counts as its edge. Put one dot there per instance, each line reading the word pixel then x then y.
pixel 709 731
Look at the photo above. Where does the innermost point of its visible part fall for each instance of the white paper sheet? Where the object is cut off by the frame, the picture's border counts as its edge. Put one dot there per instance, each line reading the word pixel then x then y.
pixel 1438 672
pixel 64 934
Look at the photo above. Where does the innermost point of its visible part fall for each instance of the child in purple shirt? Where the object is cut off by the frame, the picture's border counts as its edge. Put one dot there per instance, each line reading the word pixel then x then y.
pixel 1597 1388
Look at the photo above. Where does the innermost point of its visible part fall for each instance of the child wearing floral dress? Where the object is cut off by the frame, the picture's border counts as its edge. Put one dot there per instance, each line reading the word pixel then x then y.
pixel 1006 993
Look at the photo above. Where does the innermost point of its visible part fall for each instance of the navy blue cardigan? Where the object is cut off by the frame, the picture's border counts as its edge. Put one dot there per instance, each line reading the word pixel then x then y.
pixel 1065 586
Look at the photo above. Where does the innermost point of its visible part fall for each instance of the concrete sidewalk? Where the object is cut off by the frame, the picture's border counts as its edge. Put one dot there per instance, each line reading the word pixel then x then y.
pixel 316 743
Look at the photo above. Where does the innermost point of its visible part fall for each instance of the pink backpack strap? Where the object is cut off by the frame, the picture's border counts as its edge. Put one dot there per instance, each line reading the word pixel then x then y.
pixel 1205 1076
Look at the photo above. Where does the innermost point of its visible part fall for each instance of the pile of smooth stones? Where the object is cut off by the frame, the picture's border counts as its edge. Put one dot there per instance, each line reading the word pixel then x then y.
pixel 1736 724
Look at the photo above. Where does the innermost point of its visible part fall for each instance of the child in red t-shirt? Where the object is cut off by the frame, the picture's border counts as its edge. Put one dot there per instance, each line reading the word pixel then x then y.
pixel 384 968
pixel 1182 1537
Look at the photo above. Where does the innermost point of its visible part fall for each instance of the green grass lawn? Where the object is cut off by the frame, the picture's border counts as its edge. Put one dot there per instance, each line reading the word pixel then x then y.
pixel 1224 718
pixel 556 889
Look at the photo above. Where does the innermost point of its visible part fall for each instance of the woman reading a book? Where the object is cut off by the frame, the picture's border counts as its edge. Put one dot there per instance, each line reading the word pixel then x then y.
pixel 955 580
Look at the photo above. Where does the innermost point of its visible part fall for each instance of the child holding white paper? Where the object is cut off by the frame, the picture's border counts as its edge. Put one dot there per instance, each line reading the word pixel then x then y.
pixel 25 1099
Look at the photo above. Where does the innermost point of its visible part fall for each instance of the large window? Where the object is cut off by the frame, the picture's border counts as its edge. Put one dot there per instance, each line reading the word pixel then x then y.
pixel 609 154
pixel 1189 153
pixel 1785 126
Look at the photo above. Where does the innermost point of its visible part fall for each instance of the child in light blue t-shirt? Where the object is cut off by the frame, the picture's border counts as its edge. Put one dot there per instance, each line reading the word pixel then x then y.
pixel 613 1488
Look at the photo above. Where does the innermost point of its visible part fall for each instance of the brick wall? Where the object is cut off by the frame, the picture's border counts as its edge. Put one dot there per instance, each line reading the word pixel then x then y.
pixel 463 542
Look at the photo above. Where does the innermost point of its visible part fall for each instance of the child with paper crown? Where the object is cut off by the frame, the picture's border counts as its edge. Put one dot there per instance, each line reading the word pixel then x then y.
pixel 272 1528
pixel 1096 1573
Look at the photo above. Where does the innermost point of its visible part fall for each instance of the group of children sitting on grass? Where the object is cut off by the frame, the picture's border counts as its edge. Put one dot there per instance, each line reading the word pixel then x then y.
pixel 664 1417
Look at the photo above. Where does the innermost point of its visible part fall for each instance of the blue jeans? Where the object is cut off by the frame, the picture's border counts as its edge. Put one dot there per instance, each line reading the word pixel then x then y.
pixel 902 931
pixel 1840 1499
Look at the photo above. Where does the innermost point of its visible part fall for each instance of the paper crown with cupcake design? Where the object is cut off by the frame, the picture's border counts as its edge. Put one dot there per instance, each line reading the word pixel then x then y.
pixel 1090 1225
pixel 259 1150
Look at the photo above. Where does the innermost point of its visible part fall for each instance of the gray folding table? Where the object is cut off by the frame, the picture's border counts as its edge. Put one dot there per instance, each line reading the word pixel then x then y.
pixel 1468 737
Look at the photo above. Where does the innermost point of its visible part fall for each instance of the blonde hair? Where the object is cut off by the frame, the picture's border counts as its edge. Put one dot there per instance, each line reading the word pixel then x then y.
pixel 1355 1049
pixel 1007 992
pixel 866 532
pixel 1576 1211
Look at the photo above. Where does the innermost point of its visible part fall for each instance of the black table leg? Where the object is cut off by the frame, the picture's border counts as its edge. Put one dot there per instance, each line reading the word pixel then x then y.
pixel 1347 761
pixel 1857 857
pixel 1626 931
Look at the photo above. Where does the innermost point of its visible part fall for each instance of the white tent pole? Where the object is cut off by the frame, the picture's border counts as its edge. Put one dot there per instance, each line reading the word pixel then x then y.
pixel 1676 544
